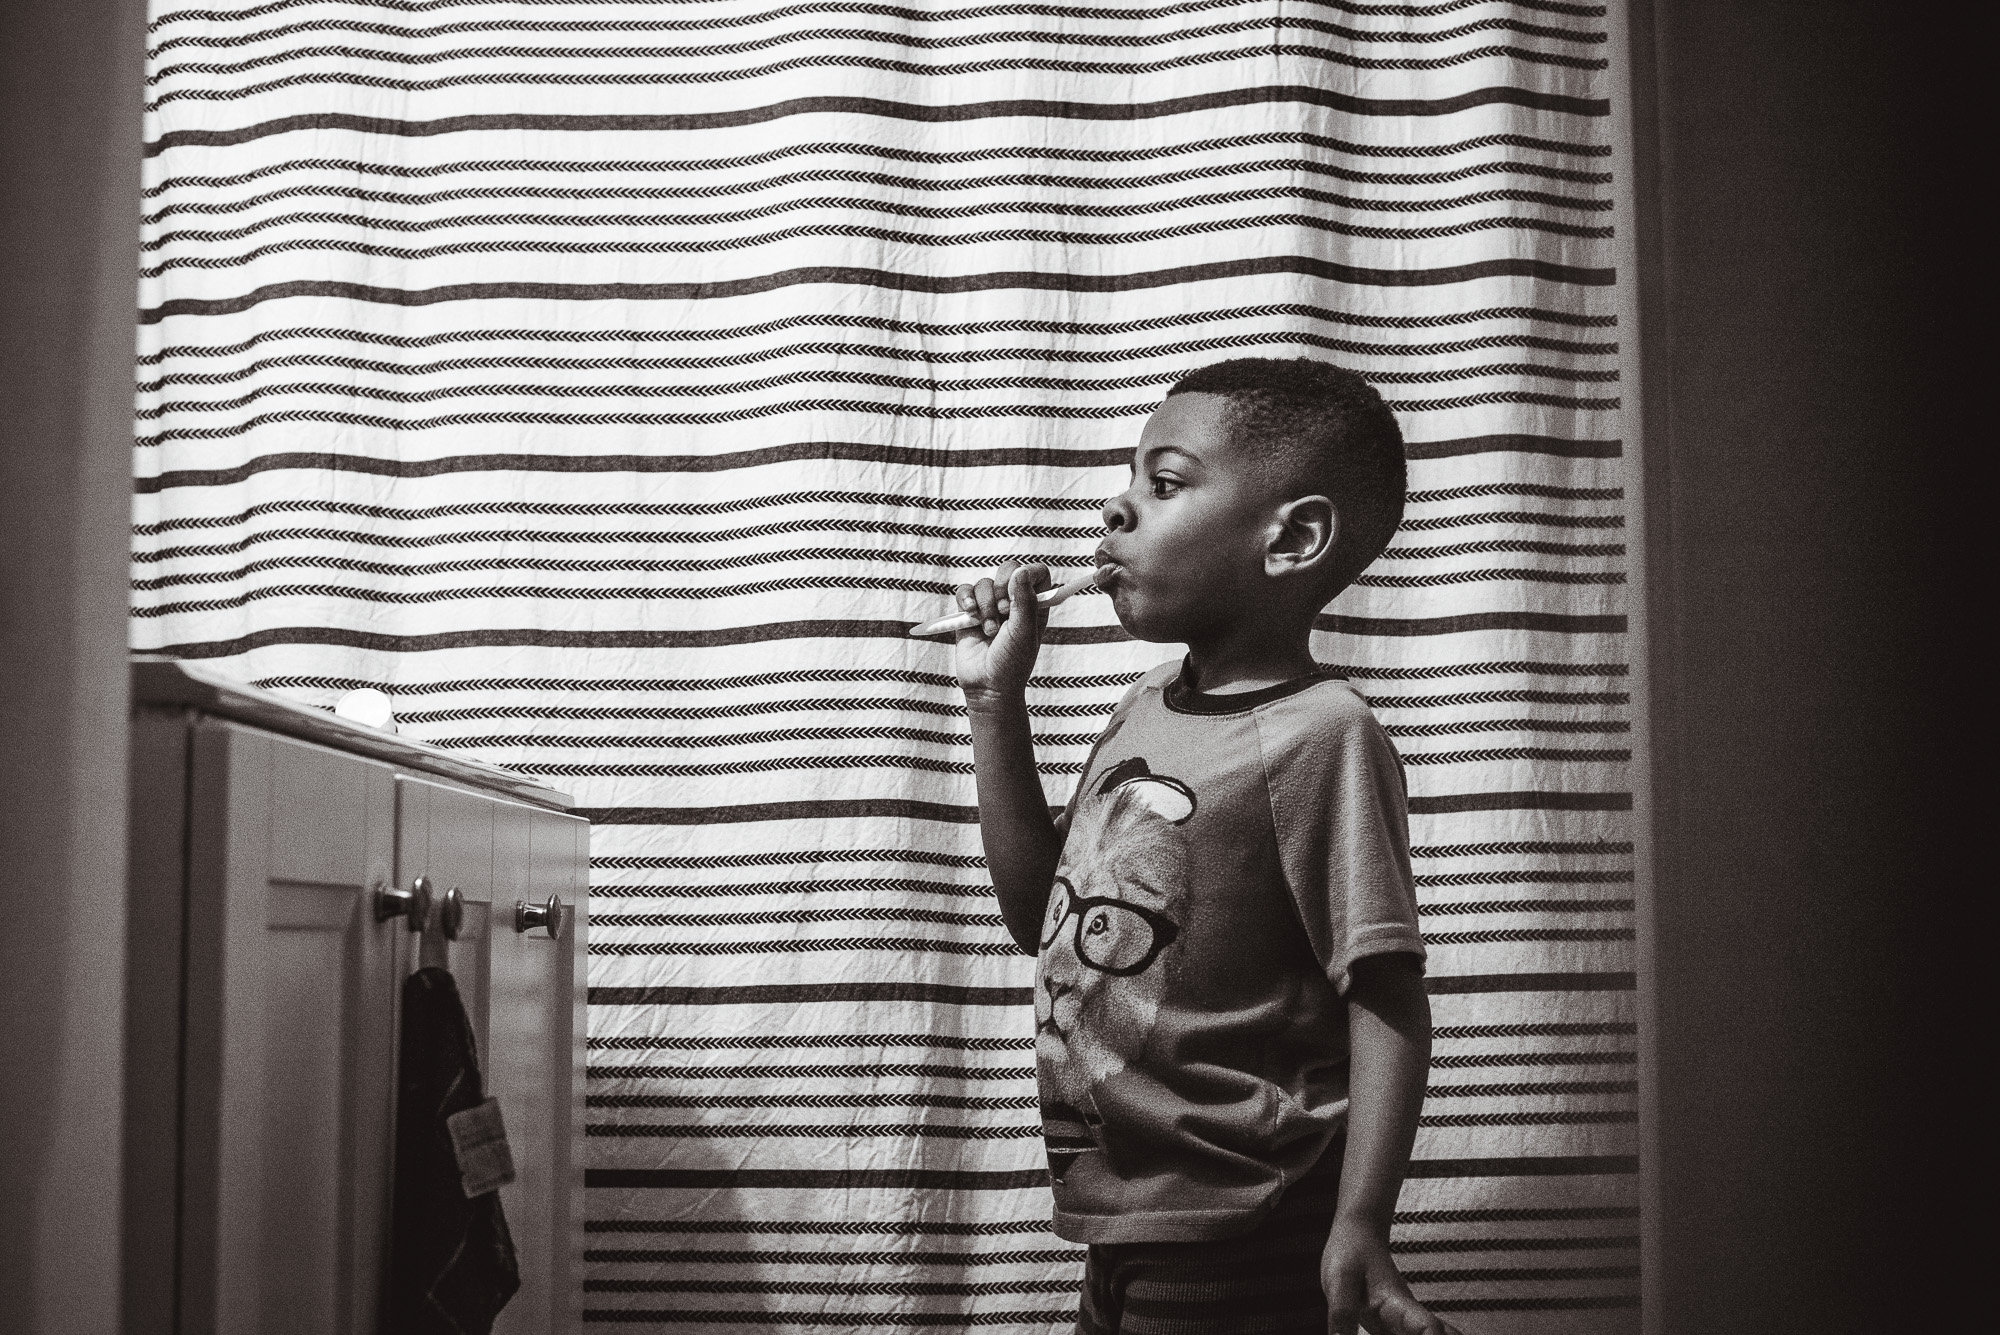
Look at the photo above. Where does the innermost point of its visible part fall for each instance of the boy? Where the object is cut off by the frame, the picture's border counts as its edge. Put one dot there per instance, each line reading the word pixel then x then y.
pixel 1232 1033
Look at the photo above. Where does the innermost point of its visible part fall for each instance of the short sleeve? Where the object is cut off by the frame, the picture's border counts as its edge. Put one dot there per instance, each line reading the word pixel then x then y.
pixel 1341 816
pixel 1119 712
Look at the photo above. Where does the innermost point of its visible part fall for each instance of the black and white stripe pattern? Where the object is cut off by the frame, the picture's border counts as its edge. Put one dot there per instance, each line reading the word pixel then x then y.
pixel 614 382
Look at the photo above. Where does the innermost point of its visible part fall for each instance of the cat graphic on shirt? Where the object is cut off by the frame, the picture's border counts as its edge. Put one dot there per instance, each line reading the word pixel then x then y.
pixel 1112 914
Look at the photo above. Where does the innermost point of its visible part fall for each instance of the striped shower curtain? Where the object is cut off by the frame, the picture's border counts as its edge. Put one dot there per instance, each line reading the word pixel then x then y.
pixel 612 384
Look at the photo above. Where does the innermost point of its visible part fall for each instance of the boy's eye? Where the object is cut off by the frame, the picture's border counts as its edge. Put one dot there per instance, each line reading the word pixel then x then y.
pixel 1165 485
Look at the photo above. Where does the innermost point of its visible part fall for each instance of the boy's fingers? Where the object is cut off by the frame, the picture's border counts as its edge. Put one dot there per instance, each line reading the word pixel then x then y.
pixel 1024 584
pixel 1343 1305
pixel 962 598
pixel 1003 584
pixel 1402 1314
pixel 985 601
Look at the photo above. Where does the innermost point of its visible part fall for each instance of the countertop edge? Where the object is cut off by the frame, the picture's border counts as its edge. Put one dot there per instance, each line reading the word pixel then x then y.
pixel 175 682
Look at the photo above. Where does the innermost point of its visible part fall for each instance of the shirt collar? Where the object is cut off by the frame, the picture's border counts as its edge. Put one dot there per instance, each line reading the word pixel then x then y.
pixel 1184 697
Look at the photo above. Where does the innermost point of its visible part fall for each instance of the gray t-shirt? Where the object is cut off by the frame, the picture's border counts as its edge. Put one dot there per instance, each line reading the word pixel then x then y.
pixel 1227 859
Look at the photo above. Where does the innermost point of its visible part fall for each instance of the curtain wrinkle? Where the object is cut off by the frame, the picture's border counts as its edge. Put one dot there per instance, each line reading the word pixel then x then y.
pixel 613 383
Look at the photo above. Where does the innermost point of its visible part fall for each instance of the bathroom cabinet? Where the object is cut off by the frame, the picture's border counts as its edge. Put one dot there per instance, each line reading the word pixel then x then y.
pixel 274 849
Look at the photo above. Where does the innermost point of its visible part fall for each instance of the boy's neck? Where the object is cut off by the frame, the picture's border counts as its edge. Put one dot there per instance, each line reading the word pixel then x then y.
pixel 1249 657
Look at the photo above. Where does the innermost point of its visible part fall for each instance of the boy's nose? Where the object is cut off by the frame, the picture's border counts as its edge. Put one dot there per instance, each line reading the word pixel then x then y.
pixel 1117 513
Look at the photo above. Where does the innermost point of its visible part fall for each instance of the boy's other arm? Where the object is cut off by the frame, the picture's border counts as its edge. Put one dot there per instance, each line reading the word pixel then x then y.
pixel 994 660
pixel 1389 1052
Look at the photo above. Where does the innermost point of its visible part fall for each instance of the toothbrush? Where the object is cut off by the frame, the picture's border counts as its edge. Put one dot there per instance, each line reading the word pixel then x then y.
pixel 967 620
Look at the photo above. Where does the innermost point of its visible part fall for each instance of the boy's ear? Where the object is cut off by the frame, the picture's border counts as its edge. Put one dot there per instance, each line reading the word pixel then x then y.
pixel 1303 534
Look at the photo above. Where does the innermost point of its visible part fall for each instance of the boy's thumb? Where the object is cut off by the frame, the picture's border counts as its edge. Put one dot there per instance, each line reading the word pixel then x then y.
pixel 1023 585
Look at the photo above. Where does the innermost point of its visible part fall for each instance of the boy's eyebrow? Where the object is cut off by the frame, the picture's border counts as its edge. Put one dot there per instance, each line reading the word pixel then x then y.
pixel 1152 454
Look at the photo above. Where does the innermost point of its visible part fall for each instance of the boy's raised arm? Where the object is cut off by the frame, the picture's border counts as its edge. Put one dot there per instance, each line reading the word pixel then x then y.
pixel 994 660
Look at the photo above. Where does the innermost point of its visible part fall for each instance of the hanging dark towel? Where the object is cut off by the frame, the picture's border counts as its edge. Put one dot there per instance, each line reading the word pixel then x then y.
pixel 451 1260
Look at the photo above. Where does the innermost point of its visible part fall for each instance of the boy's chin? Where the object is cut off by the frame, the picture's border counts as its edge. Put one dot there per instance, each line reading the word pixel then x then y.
pixel 1142 622
pixel 1152 632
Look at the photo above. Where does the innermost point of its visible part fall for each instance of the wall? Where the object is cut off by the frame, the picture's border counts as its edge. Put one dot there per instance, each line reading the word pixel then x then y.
pixel 1800 356
pixel 69 177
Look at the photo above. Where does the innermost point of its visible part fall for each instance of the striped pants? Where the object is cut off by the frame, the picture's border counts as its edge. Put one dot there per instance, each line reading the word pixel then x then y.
pixel 1265 1282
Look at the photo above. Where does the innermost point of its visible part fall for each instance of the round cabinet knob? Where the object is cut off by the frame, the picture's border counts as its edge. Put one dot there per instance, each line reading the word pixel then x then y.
pixel 451 913
pixel 549 915
pixel 413 905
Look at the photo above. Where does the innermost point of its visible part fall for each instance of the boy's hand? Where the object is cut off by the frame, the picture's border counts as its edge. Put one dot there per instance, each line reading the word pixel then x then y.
pixel 995 657
pixel 1364 1292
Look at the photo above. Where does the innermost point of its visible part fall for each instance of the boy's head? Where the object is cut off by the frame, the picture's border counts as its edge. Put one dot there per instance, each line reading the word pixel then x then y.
pixel 1260 487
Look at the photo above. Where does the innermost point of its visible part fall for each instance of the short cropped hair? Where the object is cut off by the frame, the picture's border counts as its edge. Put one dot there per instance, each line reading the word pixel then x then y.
pixel 1321 430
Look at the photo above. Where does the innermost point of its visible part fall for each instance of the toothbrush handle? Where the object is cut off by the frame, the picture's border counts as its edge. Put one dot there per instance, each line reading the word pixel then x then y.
pixel 959 621
pixel 950 625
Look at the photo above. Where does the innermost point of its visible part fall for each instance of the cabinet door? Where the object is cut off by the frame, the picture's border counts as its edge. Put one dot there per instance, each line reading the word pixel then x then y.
pixel 562 866
pixel 530 1068
pixel 445 835
pixel 290 1038
pixel 518 990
